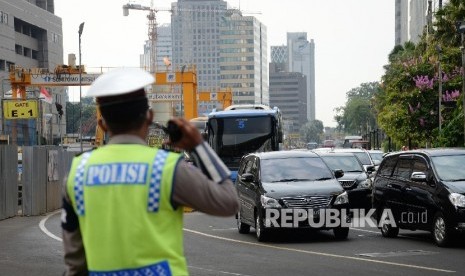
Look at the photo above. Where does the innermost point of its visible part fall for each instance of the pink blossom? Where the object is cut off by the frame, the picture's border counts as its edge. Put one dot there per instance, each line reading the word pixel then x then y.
pixel 423 82
pixel 450 95
pixel 410 108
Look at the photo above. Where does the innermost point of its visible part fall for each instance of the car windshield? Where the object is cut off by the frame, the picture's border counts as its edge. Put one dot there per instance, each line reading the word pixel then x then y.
pixel 345 163
pixel 294 169
pixel 363 157
pixel 376 156
pixel 450 168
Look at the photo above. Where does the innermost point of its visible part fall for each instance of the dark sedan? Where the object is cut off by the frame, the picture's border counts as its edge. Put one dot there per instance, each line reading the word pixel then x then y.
pixel 289 189
pixel 355 180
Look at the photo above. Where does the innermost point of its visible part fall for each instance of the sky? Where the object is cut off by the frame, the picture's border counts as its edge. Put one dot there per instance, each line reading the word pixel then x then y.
pixel 352 38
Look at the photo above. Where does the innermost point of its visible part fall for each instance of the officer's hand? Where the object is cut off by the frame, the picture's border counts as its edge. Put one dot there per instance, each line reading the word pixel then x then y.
pixel 191 136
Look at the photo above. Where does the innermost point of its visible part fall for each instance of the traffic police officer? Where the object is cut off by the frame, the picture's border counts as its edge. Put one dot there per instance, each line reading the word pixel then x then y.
pixel 122 203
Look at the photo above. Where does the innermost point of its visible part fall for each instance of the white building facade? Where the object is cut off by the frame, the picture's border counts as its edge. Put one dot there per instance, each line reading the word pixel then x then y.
pixel 244 58
pixel 301 58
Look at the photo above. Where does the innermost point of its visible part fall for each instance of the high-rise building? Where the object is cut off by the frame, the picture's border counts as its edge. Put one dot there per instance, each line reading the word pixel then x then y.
pixel 279 58
pixel 288 92
pixel 32 37
pixel 205 33
pixel 412 17
pixel 163 48
pixel 301 58
pixel 196 37
pixel 243 58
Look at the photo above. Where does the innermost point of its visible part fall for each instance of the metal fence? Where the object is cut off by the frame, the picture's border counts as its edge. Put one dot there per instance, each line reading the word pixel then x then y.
pixel 32 186
pixel 8 181
pixel 44 170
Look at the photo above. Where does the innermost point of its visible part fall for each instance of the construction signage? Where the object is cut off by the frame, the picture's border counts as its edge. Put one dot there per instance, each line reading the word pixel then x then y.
pixel 62 79
pixel 20 109
pixel 164 97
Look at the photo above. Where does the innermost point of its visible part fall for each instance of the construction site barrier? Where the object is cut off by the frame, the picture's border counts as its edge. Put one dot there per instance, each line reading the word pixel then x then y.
pixel 8 181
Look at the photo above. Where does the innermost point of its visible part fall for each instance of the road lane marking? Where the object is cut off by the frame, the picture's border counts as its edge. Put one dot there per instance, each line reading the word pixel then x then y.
pixel 363 230
pixel 50 234
pixel 320 253
pixel 379 233
pixel 45 230
pixel 217 271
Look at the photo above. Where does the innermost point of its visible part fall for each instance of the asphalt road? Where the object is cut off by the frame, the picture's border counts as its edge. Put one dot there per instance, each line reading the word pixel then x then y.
pixel 214 247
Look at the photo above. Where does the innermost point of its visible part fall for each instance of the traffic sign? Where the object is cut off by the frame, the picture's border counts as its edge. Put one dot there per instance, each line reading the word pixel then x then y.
pixel 20 109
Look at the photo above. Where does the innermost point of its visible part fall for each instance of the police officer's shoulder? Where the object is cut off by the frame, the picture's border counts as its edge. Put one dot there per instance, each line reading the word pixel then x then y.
pixel 81 153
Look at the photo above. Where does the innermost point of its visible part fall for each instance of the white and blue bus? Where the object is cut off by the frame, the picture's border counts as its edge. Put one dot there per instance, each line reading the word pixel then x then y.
pixel 234 133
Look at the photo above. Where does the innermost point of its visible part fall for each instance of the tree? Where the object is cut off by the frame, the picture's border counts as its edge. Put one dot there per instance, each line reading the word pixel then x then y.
pixel 407 105
pixel 357 116
pixel 72 117
pixel 89 117
pixel 312 131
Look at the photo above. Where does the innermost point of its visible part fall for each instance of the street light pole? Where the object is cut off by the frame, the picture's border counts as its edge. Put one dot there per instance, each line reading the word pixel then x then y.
pixel 81 28
pixel 438 48
pixel 463 81
pixel 461 30
pixel 182 88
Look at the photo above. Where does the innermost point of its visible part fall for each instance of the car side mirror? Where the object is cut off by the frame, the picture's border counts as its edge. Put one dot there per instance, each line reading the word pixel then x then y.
pixel 247 177
pixel 338 173
pixel 418 177
pixel 370 169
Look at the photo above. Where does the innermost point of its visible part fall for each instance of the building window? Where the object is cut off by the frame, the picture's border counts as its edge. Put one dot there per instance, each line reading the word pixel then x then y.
pixel 4 18
pixel 27 52
pixel 9 65
pixel 54 37
pixel 19 49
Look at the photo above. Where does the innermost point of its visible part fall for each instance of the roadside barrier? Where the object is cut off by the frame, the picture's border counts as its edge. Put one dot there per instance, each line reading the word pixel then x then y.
pixel 8 181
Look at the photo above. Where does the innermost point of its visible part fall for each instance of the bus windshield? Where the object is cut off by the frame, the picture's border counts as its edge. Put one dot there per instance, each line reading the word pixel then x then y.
pixel 233 137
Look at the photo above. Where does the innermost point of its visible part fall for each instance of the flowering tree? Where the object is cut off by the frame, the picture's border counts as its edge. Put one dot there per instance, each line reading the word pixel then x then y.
pixel 408 102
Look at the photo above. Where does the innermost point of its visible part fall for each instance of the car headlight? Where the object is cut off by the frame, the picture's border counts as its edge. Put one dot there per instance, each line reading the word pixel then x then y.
pixel 268 202
pixel 342 199
pixel 366 183
pixel 457 200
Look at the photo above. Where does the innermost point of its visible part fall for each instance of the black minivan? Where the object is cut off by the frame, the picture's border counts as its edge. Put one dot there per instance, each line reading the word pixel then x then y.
pixel 286 186
pixel 423 189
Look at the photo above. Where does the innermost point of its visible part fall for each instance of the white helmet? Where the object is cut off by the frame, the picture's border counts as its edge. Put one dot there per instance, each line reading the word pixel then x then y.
pixel 120 81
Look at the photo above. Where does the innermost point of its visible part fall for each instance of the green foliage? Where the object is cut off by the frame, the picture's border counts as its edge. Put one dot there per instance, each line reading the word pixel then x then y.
pixel 312 131
pixel 89 117
pixel 357 115
pixel 407 105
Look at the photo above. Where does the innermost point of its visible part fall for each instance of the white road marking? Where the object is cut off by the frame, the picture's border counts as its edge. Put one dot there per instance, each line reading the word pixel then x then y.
pixel 217 271
pixel 321 253
pixel 45 230
pixel 48 233
pixel 379 233
pixel 363 230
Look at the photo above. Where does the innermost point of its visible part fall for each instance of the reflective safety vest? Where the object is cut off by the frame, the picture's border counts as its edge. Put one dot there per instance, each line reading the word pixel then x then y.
pixel 122 196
